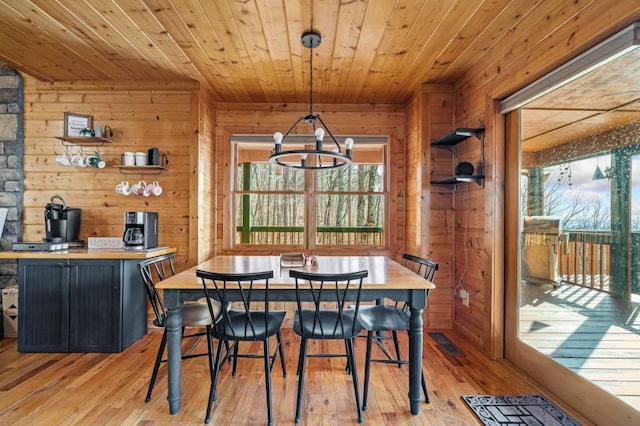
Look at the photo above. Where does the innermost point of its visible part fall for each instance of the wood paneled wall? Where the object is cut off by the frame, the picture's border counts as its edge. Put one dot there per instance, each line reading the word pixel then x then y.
pixel 429 230
pixel 554 35
pixel 142 116
pixel 202 188
pixel 237 118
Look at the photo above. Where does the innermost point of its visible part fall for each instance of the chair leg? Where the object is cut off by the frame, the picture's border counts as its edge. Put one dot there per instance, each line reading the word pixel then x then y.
pixel 281 350
pixel 346 350
pixel 156 366
pixel 210 353
pixel 235 358
pixel 397 345
pixel 424 389
pixel 299 361
pixel 301 365
pixel 213 391
pixel 367 370
pixel 227 352
pixel 354 374
pixel 267 372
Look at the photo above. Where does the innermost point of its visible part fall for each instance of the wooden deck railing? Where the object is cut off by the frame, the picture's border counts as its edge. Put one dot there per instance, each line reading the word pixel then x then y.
pixel 285 235
pixel 584 258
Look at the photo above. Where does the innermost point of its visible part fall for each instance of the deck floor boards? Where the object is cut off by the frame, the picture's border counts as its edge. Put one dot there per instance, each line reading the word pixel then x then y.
pixel 589 332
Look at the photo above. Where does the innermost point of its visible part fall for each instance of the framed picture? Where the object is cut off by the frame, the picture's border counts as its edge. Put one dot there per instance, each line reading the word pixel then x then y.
pixel 73 123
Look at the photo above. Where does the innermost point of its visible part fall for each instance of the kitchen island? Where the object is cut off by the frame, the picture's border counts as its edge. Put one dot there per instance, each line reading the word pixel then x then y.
pixel 81 300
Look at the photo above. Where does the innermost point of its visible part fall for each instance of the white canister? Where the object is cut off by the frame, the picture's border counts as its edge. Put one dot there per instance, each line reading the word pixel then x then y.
pixel 141 158
pixel 129 159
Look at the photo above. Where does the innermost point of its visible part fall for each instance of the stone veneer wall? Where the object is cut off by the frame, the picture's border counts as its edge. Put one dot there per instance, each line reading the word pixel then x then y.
pixel 11 172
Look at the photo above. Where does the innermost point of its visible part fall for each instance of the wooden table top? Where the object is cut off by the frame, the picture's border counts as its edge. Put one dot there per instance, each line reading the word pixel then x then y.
pixel 382 271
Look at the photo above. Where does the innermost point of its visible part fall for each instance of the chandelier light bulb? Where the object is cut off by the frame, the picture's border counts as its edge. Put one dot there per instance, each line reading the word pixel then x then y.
pixel 348 143
pixel 319 133
pixel 277 136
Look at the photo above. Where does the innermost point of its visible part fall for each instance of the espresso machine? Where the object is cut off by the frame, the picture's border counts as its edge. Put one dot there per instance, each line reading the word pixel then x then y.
pixel 61 223
pixel 140 230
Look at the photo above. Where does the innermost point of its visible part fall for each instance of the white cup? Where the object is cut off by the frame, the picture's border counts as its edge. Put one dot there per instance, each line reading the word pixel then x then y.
pixel 123 188
pixel 79 160
pixel 140 189
pixel 63 159
pixel 129 159
pixel 141 158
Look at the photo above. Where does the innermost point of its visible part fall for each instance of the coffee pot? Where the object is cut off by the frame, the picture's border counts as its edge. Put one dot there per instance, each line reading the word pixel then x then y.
pixel 134 235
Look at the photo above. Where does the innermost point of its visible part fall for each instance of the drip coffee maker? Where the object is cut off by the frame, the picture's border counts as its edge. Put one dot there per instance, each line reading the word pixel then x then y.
pixel 140 230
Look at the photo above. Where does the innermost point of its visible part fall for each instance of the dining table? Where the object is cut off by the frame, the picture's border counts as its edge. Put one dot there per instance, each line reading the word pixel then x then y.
pixel 386 279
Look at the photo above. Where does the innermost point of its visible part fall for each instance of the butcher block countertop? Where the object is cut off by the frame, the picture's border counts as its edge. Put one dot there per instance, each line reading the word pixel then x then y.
pixel 84 253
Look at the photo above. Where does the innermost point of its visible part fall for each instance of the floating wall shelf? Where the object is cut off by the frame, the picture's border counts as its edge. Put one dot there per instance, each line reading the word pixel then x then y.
pixel 449 141
pixel 83 140
pixel 141 169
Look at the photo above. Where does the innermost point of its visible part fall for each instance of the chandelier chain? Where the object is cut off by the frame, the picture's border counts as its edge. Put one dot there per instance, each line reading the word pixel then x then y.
pixel 311 65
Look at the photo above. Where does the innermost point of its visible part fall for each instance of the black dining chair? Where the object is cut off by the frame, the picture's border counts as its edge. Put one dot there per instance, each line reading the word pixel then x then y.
pixel 392 317
pixel 194 315
pixel 253 321
pixel 327 317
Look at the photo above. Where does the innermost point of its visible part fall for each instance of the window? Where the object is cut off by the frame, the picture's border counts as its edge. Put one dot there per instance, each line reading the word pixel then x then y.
pixel 300 209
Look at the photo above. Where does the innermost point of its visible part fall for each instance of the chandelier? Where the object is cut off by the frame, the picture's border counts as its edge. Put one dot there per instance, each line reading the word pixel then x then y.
pixel 317 157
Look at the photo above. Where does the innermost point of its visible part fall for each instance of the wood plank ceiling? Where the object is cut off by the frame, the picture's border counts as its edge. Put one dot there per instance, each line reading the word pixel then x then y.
pixel 373 51
pixel 376 51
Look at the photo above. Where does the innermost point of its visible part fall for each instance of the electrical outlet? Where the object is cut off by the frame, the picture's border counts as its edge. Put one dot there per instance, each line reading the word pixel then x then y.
pixel 464 295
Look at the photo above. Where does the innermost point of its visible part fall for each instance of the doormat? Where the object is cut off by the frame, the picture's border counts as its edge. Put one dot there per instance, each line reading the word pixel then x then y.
pixel 526 410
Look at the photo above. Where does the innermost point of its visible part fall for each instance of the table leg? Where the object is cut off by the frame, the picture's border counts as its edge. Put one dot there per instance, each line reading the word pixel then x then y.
pixel 174 355
pixel 415 360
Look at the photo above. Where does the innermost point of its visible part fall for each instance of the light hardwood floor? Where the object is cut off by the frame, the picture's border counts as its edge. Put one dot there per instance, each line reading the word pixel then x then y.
pixel 56 389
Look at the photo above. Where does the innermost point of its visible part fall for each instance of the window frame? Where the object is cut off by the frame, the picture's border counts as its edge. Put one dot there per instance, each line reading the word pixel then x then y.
pixel 310 196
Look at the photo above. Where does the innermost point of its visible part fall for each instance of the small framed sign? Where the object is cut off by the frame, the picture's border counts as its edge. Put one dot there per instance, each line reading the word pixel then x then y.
pixel 73 123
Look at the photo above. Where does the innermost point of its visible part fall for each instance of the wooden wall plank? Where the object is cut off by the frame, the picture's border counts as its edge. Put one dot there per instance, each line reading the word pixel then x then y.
pixel 141 119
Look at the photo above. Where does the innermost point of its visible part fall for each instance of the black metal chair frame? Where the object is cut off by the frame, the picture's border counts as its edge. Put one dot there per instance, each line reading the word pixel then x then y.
pixel 321 323
pixel 376 319
pixel 153 270
pixel 246 324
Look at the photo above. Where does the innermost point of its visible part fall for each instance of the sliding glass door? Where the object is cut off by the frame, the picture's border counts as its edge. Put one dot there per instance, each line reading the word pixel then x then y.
pixel 573 239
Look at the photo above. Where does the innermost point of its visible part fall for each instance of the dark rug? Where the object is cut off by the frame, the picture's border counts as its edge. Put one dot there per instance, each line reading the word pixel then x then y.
pixel 512 410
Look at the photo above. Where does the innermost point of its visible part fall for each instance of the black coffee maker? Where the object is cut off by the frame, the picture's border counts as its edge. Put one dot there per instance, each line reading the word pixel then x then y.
pixel 61 223
pixel 140 230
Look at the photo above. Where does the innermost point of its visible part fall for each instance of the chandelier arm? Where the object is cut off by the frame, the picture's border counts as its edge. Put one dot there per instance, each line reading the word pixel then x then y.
pixel 329 132
pixel 292 127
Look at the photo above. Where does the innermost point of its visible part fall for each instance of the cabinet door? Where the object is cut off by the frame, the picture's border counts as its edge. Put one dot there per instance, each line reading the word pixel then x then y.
pixel 43 306
pixel 94 306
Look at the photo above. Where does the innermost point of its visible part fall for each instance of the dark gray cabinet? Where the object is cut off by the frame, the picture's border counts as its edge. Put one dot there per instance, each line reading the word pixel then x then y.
pixel 80 305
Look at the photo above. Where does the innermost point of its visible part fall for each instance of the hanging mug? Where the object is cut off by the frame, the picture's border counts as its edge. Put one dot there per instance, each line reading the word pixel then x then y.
pixel 96 161
pixel 63 159
pixel 79 159
pixel 154 188
pixel 123 188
